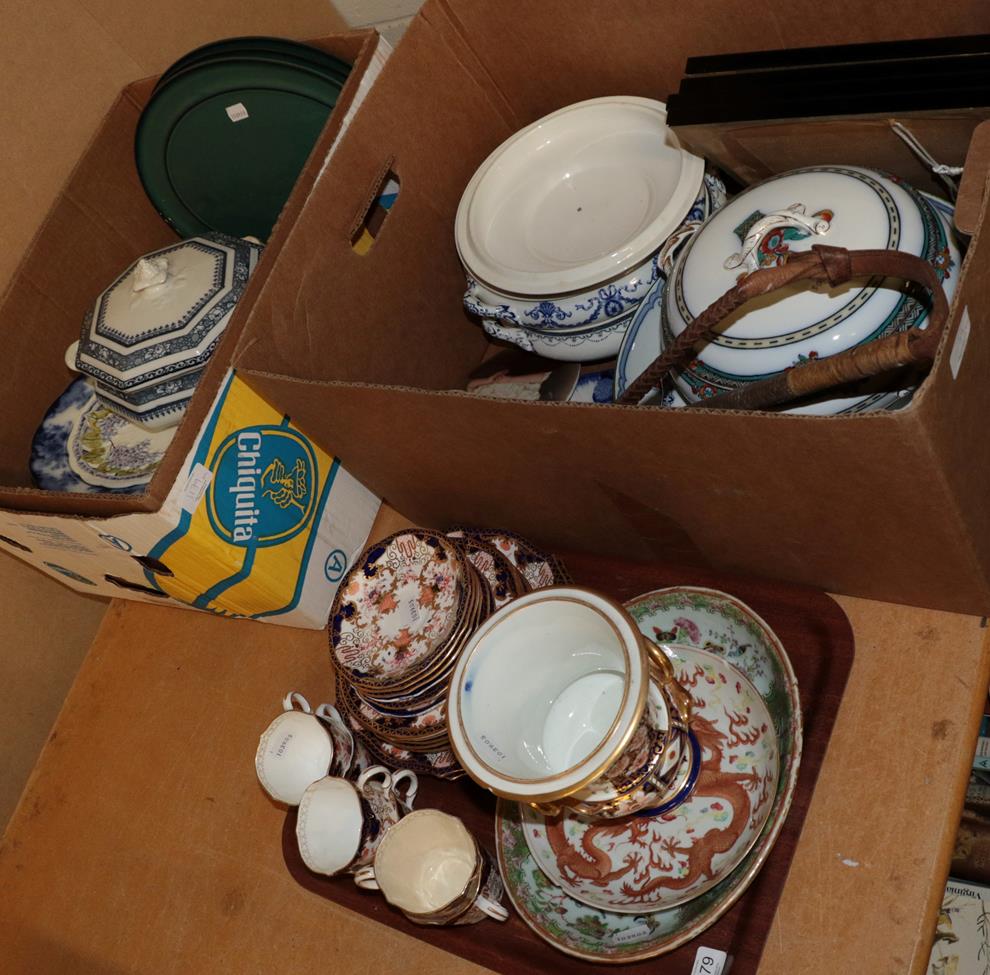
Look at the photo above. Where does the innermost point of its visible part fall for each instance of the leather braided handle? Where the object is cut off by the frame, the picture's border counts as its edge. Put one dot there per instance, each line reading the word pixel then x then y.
pixel 820 265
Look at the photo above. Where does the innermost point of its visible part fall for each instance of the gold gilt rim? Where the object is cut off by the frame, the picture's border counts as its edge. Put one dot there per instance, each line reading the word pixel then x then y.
pixel 603 762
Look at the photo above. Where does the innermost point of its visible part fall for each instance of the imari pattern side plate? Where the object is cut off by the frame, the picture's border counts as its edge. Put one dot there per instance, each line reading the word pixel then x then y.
pixel 396 607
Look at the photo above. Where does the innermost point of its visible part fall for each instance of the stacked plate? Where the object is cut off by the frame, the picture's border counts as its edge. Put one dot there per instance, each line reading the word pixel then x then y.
pixel 228 129
pixel 633 888
pixel 401 618
pixel 567 225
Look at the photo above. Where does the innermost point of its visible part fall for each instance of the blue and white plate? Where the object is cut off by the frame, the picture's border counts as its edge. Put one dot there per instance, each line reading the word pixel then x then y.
pixel 593 387
pixel 83 447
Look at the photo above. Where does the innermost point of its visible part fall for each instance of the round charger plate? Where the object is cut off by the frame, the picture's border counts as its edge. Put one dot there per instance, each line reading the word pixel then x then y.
pixel 576 198
pixel 727 627
pixel 83 447
pixel 219 147
pixel 651 863
pixel 277 47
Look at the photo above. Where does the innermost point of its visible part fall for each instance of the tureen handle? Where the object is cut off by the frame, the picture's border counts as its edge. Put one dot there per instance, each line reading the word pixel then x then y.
pixel 507 333
pixel 150 271
pixel 70 356
pixel 794 216
pixel 822 265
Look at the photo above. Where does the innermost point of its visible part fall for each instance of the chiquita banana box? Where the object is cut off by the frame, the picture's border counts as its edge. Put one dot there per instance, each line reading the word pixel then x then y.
pixel 261 523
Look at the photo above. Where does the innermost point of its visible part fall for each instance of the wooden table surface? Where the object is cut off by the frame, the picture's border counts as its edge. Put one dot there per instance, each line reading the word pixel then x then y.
pixel 143 843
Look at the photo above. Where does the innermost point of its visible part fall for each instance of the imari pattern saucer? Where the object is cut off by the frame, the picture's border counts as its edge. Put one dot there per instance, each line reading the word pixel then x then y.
pixel 396 607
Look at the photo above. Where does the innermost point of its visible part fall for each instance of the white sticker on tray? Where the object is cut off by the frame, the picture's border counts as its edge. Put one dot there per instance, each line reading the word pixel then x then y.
pixel 959 344
pixel 710 961
pixel 237 112
pixel 192 493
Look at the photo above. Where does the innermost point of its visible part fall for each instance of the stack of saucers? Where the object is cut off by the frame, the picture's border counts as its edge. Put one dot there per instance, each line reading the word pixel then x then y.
pixel 400 620
pixel 566 226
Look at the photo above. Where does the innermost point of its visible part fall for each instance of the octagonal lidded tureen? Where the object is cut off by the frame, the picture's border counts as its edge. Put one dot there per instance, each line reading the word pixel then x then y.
pixel 148 336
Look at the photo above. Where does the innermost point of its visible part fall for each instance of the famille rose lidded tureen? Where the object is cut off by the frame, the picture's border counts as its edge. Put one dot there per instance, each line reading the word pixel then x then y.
pixel 149 335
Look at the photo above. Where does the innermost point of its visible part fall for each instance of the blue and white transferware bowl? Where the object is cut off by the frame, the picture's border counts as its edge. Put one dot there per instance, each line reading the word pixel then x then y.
pixel 843 206
pixel 159 322
pixel 606 301
pixel 582 345
pixel 83 447
pixel 580 197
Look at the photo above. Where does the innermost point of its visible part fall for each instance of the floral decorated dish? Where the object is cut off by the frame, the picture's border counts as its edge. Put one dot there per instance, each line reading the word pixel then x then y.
pixel 396 607
pixel 83 447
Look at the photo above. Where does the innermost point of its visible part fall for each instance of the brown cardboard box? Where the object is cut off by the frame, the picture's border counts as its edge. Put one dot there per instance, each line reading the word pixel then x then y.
pixel 99 224
pixel 364 350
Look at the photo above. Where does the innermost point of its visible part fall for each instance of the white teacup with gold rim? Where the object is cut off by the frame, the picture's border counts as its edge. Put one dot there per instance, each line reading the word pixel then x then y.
pixel 555 698
pixel 432 869
pixel 340 823
pixel 301 746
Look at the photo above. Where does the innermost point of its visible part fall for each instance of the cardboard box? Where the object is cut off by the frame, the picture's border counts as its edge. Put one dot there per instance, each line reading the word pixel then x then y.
pixel 183 541
pixel 368 351
pixel 962 936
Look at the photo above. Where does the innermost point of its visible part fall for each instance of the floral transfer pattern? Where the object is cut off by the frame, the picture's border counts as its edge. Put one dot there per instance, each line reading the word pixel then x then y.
pixel 106 449
pixel 662 861
pixel 397 606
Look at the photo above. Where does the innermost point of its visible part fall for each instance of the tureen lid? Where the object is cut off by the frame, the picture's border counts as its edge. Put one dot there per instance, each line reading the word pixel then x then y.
pixel 842 206
pixel 166 312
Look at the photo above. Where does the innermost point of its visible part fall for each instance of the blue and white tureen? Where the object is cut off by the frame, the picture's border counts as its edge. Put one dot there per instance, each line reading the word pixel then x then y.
pixel 843 206
pixel 148 337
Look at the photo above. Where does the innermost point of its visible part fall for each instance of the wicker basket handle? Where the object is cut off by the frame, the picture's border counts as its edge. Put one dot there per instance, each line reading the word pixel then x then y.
pixel 820 265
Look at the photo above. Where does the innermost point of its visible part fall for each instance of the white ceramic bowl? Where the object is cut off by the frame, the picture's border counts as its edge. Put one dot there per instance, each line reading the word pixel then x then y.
pixel 578 197
pixel 547 693
pixel 606 301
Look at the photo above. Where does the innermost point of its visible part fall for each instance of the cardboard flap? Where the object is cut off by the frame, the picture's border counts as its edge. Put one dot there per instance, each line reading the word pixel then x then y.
pixel 640 46
pixel 975 178
pixel 332 312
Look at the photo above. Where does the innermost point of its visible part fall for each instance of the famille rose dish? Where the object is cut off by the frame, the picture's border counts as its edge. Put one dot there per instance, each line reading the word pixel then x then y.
pixel 727 628
pixel 84 447
pixel 656 862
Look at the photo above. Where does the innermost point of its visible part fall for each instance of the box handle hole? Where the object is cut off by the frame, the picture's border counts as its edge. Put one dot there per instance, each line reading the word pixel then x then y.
pixel 368 228
pixel 153 565
pixel 135 586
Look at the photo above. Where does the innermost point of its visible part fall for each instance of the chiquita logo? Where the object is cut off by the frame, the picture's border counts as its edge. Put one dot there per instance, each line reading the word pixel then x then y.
pixel 262 491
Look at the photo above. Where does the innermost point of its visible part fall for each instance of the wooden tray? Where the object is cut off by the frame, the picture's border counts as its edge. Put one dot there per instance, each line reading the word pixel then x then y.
pixel 819 641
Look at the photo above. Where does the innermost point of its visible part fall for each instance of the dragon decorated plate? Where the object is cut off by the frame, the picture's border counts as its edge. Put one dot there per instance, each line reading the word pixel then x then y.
pixel 727 627
pixel 655 862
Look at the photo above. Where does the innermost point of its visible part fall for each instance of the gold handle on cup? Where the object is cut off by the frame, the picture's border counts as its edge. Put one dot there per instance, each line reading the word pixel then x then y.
pixel 546 808
pixel 667 679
